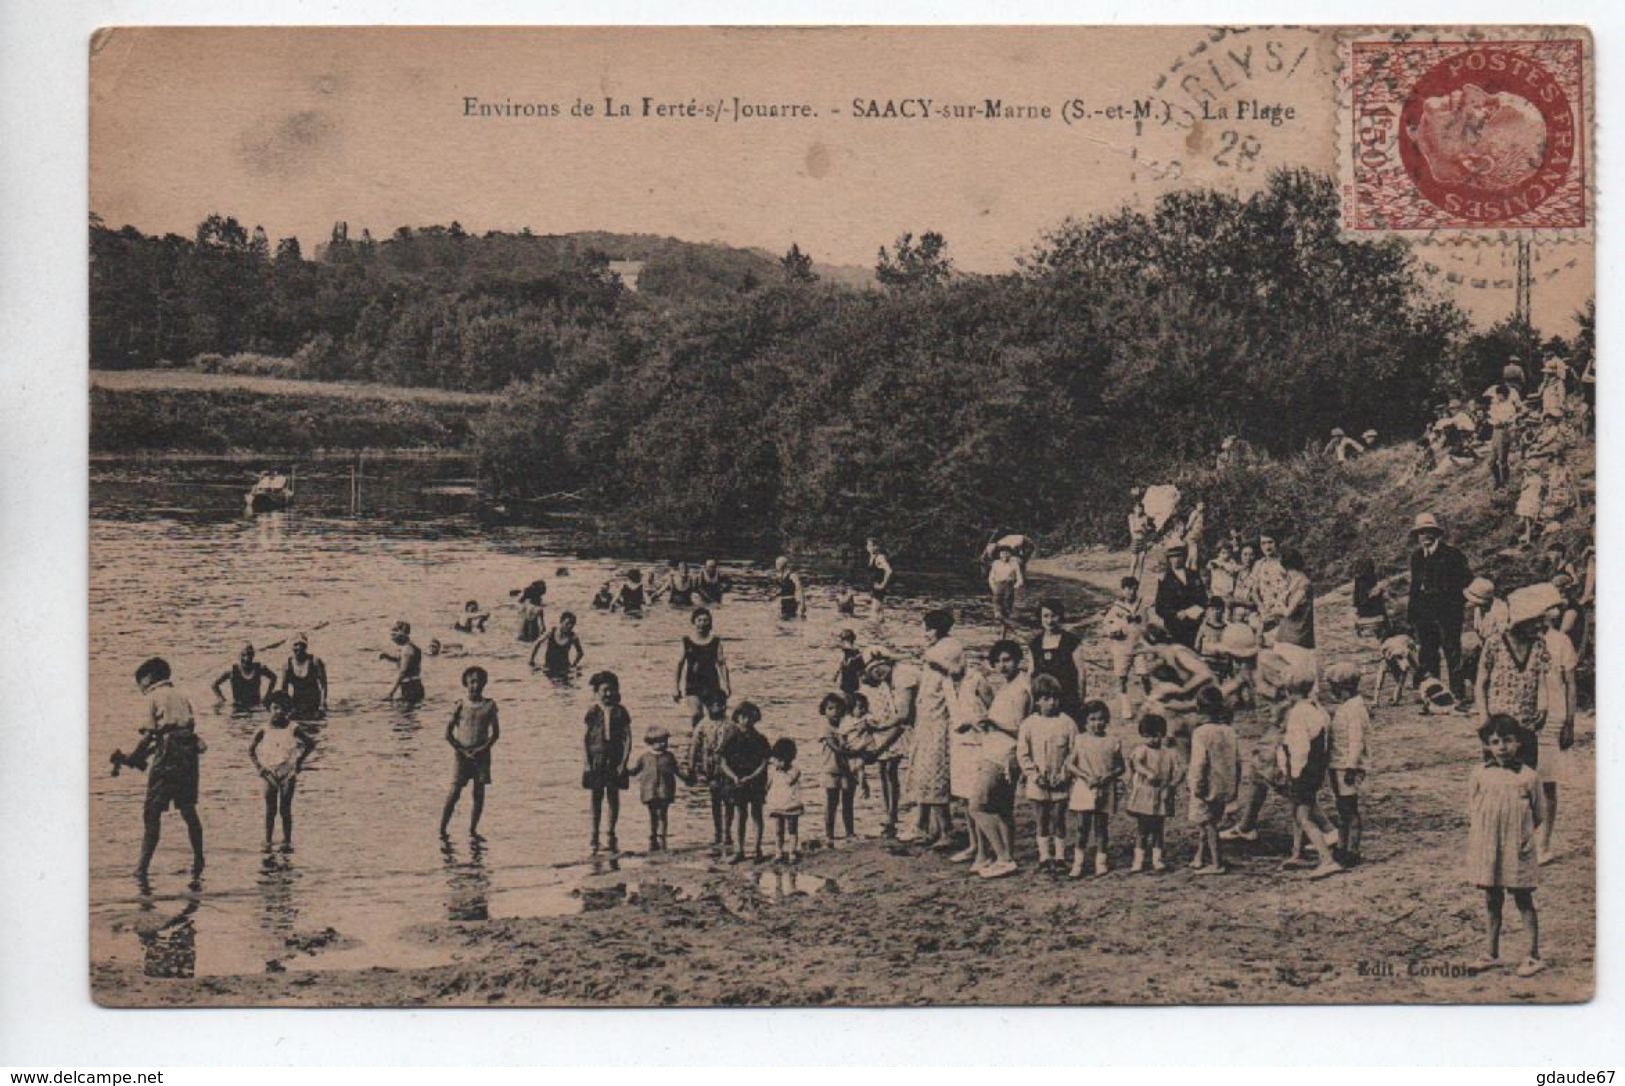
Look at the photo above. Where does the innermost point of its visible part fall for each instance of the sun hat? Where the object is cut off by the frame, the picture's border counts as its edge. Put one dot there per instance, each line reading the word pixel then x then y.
pixel 1337 431
pixel 1425 522
pixel 1238 640
pixel 1342 674
pixel 1481 591
pixel 1532 601
pixel 1369 436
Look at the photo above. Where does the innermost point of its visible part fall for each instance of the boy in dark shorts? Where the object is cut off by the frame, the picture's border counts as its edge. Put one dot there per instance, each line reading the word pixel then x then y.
pixel 472 732
pixel 168 751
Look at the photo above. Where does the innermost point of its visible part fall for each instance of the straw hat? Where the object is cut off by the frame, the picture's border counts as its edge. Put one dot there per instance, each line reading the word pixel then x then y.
pixel 1337 431
pixel 1481 591
pixel 1425 522
pixel 1369 436
pixel 1238 640
pixel 1532 602
pixel 1342 675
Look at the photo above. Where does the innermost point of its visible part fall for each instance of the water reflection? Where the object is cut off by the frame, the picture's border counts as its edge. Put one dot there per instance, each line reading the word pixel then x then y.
pixel 278 913
pixel 168 942
pixel 468 886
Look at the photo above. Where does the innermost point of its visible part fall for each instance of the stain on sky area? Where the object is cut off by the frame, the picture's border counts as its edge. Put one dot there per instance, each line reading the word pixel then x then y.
pixel 289 145
pixel 818 161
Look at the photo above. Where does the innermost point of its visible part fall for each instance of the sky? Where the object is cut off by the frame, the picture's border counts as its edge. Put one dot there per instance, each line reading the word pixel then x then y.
pixel 294 129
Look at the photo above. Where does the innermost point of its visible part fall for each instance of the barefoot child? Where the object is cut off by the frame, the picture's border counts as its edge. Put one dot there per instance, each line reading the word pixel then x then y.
pixel 1305 740
pixel 1043 745
pixel 172 743
pixel 1095 766
pixel 1155 773
pixel 657 773
pixel 705 770
pixel 745 755
pixel 1350 723
pixel 278 752
pixel 1215 779
pixel 472 732
pixel 835 763
pixel 608 744
pixel 783 801
pixel 1504 808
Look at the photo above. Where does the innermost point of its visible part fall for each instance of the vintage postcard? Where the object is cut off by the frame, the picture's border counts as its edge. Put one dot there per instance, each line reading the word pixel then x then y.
pixel 842 516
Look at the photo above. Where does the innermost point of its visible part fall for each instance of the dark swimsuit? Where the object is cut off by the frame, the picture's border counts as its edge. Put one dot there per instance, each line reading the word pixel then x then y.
pixel 702 675
pixel 245 689
pixel 556 657
pixel 681 597
pixel 1059 663
pixel 789 607
pixel 303 690
pixel 411 689
pixel 711 588
pixel 877 587
pixel 631 598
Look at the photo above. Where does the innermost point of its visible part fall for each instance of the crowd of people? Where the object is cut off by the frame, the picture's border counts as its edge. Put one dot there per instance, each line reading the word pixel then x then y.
pixel 958 743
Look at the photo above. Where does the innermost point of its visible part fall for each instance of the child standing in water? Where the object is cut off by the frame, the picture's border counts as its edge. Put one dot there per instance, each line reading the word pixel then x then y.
pixel 278 752
pixel 1043 745
pixel 1095 766
pixel 705 770
pixel 849 672
pixel 1154 775
pixel 408 666
pixel 784 801
pixel 472 732
pixel 657 783
pixel 1504 808
pixel 745 755
pixel 834 764
pixel 171 741
pixel 608 744
pixel 560 649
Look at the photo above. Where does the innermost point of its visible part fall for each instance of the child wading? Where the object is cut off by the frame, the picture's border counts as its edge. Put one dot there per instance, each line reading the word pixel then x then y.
pixel 172 745
pixel 1095 766
pixel 278 752
pixel 1504 809
pixel 836 763
pixel 657 774
pixel 784 801
pixel 1155 773
pixel 608 744
pixel 472 732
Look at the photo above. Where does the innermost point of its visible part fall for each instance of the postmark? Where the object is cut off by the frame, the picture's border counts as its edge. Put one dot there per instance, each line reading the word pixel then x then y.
pixel 1466 135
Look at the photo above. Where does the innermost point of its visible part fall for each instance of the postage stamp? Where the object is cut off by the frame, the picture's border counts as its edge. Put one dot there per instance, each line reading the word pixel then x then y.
pixel 1466 135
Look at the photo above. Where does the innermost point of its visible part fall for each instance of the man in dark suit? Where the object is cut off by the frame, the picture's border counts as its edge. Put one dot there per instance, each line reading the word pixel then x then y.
pixel 1439 576
pixel 1181 598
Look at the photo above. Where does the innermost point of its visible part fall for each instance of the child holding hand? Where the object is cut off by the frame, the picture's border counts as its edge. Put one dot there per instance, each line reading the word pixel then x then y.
pixel 657 773
pixel 784 804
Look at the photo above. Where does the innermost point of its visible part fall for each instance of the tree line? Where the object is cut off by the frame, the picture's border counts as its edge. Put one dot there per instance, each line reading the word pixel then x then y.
pixel 736 392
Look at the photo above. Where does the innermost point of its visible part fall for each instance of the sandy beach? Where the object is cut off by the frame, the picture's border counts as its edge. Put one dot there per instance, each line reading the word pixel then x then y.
pixel 880 923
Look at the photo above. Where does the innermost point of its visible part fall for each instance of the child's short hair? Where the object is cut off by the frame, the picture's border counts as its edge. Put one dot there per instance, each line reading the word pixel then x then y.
pixel 279 703
pixel 939 621
pixel 832 698
pixel 747 710
pixel 571 615
pixel 604 678
pixel 1046 686
pixel 634 575
pixel 472 605
pixel 1053 605
pixel 860 703
pixel 1153 726
pixel 154 670
pixel 472 670
pixel 1501 724
pixel 785 750
pixel 1004 647
pixel 716 704
pixel 1130 583
pixel 1213 704
pixel 1095 705
pixel 697 612
pixel 846 635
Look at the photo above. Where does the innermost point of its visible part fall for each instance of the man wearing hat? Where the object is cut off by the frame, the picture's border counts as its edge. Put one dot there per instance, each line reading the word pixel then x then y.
pixel 1181 598
pixel 1439 578
pixel 1341 447
pixel 1554 390
pixel 1370 439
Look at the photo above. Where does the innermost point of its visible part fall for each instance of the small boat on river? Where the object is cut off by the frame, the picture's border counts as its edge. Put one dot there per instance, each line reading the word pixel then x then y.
pixel 272 492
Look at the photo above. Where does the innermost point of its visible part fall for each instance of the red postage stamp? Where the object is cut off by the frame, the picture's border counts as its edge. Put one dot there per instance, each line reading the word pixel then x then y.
pixel 1466 135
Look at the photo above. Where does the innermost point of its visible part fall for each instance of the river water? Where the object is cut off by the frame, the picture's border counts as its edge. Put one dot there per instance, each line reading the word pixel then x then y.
pixel 177 570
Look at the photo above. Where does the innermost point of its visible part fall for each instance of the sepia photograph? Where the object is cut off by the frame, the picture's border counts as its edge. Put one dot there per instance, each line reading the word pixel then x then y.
pixel 841 517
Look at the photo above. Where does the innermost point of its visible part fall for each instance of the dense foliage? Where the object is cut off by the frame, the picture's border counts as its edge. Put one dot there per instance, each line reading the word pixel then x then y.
pixel 747 394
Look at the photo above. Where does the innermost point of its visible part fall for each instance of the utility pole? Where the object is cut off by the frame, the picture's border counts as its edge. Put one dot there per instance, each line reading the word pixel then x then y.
pixel 1522 311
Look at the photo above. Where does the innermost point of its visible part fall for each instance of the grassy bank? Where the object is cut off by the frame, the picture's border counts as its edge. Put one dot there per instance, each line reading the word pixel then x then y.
pixel 134 411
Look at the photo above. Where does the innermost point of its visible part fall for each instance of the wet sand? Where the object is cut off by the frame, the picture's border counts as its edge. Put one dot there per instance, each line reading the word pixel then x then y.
pixel 877 923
